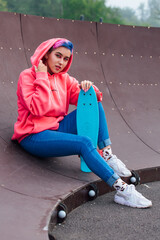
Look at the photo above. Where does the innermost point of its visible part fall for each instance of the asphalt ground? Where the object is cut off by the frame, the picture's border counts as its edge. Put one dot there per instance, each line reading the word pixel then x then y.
pixel 102 219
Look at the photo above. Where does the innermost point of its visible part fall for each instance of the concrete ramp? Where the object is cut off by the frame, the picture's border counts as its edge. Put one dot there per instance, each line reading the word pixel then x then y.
pixel 124 63
pixel 130 58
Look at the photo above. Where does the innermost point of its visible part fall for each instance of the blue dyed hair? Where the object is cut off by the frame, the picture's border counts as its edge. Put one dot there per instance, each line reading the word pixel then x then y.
pixel 64 43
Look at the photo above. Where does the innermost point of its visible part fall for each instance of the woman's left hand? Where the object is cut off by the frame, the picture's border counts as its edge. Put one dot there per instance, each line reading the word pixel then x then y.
pixel 86 84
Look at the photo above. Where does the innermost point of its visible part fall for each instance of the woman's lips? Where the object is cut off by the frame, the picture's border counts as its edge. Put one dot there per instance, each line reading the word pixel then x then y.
pixel 58 68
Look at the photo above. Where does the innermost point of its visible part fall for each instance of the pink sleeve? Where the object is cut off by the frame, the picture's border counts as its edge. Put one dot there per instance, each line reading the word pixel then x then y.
pixel 36 93
pixel 98 93
pixel 74 89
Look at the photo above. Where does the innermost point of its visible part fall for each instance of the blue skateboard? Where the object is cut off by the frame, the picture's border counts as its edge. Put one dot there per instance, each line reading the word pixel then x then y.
pixel 88 119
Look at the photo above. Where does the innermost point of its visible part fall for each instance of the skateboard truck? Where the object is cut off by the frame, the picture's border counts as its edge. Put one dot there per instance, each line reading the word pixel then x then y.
pixel 135 178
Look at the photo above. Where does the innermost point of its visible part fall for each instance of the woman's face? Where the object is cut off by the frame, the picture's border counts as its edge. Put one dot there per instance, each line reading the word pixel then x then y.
pixel 58 59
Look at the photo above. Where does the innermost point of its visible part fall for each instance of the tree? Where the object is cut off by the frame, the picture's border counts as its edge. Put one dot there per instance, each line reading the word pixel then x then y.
pixel 142 12
pixel 154 6
pixel 129 16
pixel 16 5
pixel 113 16
pixel 47 8
pixel 92 10
pixel 3 5
pixel 154 13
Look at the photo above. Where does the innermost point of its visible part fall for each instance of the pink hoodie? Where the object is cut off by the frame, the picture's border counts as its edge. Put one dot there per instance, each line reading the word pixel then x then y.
pixel 43 99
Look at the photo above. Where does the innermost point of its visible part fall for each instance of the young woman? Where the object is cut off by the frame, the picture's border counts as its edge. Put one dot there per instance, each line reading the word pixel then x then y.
pixel 45 129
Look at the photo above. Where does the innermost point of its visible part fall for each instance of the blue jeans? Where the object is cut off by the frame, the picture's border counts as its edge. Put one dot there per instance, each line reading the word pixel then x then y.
pixel 64 142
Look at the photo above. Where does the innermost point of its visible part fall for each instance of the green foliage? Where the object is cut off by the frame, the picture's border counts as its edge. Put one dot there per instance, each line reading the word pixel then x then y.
pixel 92 10
pixel 154 13
pixel 130 18
pixel 46 8
pixel 113 16
pixel 3 5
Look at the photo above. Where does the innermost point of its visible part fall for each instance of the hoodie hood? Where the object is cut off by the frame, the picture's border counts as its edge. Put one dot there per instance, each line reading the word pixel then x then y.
pixel 43 48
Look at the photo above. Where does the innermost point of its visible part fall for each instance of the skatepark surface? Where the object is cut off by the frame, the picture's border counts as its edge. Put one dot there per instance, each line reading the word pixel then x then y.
pixel 103 219
pixel 124 63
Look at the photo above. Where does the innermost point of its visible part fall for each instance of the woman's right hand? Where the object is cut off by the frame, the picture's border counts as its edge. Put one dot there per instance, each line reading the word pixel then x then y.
pixel 86 84
pixel 41 67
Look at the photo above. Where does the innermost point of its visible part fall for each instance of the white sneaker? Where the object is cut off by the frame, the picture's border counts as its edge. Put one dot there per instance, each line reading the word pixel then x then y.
pixel 130 197
pixel 116 164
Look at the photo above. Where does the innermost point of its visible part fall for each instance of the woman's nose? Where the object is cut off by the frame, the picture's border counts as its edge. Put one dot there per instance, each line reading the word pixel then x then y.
pixel 61 61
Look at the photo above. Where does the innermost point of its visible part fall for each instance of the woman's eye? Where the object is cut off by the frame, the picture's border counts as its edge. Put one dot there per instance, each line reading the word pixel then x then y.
pixel 66 59
pixel 57 55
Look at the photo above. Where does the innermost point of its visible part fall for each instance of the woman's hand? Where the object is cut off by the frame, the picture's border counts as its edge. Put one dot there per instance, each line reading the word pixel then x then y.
pixel 41 67
pixel 86 84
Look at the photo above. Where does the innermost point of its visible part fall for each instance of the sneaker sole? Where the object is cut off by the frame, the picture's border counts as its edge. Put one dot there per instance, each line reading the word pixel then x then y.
pixel 121 202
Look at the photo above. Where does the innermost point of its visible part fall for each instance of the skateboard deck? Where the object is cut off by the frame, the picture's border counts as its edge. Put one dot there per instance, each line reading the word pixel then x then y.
pixel 88 119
